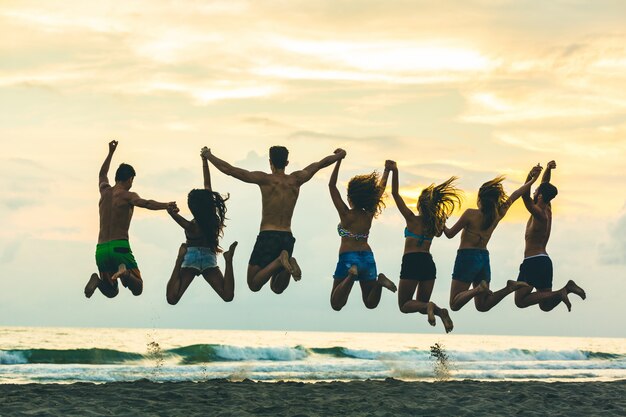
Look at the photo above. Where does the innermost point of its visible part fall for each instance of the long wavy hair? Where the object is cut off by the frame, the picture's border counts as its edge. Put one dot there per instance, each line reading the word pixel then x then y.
pixel 436 203
pixel 491 197
pixel 209 211
pixel 365 193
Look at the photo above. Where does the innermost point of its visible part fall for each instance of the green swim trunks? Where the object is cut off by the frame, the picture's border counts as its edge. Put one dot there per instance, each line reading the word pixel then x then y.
pixel 110 255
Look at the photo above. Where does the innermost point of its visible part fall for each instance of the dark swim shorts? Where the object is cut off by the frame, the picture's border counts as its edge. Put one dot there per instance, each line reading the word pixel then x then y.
pixel 472 265
pixel 418 266
pixel 536 271
pixel 269 244
pixel 110 255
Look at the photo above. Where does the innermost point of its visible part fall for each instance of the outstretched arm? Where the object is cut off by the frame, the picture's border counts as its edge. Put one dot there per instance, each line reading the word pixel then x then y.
pixel 137 201
pixel 205 170
pixel 341 207
pixel 307 173
pixel 530 205
pixel 395 191
pixel 173 212
pixel 103 179
pixel 254 177
pixel 547 174
pixel 458 226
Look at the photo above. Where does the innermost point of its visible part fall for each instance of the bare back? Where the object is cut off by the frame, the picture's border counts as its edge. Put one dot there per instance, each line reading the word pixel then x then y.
pixel 279 193
pixel 473 235
pixel 538 233
pixel 416 226
pixel 358 222
pixel 116 212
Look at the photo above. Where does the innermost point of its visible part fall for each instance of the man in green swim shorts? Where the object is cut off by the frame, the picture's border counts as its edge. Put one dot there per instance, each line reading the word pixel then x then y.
pixel 114 257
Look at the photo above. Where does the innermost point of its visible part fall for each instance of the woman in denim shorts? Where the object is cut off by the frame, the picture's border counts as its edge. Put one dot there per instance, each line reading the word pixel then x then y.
pixel 198 256
pixel 472 267
pixel 356 259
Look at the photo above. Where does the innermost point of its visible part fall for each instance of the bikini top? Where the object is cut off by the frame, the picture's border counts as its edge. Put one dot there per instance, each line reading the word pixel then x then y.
pixel 420 238
pixel 346 233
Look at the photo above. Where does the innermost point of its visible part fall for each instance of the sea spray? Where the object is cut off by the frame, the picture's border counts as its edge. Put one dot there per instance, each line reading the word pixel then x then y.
pixel 155 353
pixel 441 366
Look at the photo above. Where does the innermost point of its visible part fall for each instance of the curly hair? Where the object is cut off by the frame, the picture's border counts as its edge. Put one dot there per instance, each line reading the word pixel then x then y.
pixel 491 197
pixel 436 203
pixel 209 211
pixel 365 193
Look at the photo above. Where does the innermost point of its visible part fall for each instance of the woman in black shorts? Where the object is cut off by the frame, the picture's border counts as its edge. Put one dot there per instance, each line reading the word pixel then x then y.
pixel 418 272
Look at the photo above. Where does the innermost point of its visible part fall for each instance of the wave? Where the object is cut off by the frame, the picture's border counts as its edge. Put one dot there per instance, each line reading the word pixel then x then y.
pixel 210 353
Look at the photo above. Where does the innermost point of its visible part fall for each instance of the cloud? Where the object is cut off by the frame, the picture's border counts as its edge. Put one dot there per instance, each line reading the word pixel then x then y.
pixel 614 251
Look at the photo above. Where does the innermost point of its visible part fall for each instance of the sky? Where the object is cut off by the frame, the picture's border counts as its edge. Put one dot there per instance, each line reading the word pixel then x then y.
pixel 466 88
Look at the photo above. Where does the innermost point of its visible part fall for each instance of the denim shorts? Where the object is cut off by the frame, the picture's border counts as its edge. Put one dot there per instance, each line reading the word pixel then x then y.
pixel 364 261
pixel 199 258
pixel 472 266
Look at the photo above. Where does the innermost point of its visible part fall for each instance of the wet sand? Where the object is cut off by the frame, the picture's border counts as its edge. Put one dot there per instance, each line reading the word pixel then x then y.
pixel 357 398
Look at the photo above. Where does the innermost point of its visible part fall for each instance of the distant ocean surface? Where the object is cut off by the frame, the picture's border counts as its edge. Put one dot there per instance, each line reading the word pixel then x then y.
pixel 66 355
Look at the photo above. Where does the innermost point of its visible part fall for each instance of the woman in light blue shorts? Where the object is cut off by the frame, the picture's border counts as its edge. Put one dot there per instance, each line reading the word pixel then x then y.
pixel 198 256
pixel 356 260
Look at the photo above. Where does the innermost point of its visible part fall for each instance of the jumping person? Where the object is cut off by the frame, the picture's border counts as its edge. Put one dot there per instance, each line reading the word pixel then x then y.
pixel 418 272
pixel 114 257
pixel 198 256
pixel 356 260
pixel 271 258
pixel 536 269
pixel 471 266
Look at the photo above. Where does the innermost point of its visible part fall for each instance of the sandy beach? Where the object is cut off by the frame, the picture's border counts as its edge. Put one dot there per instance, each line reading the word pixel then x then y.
pixel 358 398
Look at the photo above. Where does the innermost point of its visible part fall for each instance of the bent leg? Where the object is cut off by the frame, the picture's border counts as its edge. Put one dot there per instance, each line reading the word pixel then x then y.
pixel 218 282
pixel 525 297
pixel 419 304
pixel 460 294
pixel 258 276
pixel 488 300
pixel 372 290
pixel 341 289
pixel 131 279
pixel 178 284
pixel 107 287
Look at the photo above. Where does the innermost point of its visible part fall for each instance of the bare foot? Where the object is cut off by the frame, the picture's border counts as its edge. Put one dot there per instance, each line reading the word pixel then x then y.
pixel 483 287
pixel 571 287
pixel 515 285
pixel 430 311
pixel 92 285
pixel 284 260
pixel 387 283
pixel 297 272
pixel 353 272
pixel 228 255
pixel 565 299
pixel 447 321
pixel 121 273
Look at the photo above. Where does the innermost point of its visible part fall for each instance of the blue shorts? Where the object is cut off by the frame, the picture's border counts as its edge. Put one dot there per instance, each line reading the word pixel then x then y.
pixel 364 261
pixel 472 266
pixel 199 258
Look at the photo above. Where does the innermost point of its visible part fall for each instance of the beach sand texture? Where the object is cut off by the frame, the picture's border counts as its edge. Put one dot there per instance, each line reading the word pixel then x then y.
pixel 357 398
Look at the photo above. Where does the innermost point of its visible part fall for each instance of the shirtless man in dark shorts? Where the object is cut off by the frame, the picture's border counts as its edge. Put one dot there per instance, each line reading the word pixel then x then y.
pixel 271 258
pixel 114 257
pixel 536 270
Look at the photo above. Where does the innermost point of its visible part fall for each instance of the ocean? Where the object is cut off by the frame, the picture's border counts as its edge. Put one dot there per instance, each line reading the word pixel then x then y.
pixel 67 355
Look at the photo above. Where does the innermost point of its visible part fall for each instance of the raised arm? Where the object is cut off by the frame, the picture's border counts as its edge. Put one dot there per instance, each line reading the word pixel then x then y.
pixel 547 174
pixel 523 190
pixel 254 177
pixel 458 226
pixel 205 169
pixel 530 205
pixel 307 173
pixel 341 207
pixel 103 179
pixel 395 191
pixel 173 212
pixel 137 201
